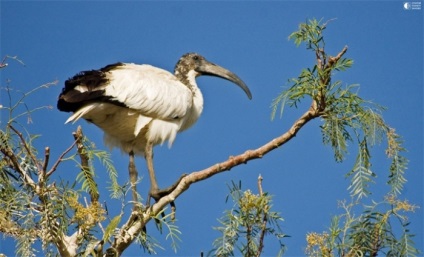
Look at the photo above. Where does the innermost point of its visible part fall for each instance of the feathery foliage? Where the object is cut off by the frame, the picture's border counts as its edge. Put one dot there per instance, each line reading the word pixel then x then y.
pixel 346 117
pixel 35 207
pixel 369 234
pixel 244 226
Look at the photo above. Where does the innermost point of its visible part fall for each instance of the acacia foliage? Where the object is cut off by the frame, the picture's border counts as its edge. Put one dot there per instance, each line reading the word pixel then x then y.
pixel 346 117
pixel 381 227
pixel 34 205
pixel 246 224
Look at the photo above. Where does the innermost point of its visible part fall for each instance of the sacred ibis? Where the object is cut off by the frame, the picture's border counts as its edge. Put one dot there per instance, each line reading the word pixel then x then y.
pixel 139 106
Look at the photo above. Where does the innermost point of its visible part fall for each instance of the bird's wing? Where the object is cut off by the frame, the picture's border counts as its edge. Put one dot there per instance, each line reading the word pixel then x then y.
pixel 150 91
pixel 147 90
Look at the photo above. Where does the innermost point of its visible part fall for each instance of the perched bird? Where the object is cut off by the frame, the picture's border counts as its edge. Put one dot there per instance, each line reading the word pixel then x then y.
pixel 139 106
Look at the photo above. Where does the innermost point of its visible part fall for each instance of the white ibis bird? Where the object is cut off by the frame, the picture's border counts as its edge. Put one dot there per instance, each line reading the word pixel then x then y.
pixel 139 106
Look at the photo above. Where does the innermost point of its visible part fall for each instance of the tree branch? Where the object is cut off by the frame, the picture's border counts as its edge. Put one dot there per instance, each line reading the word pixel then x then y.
pixel 29 152
pixel 67 245
pixel 7 152
pixel 252 154
pixel 59 160
pixel 46 160
pixel 333 60
pixel 85 165
pixel 78 136
pixel 137 220
pixel 264 220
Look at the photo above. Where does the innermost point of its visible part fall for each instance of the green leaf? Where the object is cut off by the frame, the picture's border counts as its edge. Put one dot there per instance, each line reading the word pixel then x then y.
pixel 399 163
pixel 105 158
pixel 343 64
pixel 148 243
pixel 335 134
pixel 361 172
pixel 110 229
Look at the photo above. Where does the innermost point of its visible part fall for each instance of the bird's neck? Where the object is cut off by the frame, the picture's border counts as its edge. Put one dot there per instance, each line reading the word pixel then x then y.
pixel 187 77
pixel 196 109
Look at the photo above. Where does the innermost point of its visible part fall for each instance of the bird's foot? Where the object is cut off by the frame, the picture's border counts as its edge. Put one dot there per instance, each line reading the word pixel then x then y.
pixel 157 193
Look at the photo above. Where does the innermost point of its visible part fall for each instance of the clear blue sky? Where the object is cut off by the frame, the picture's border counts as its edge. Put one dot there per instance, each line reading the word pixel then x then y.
pixel 58 39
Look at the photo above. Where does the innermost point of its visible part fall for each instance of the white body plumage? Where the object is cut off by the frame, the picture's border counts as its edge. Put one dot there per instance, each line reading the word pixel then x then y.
pixel 157 107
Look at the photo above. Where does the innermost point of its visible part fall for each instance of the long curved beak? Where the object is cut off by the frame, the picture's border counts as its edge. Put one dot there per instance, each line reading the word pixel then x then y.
pixel 211 69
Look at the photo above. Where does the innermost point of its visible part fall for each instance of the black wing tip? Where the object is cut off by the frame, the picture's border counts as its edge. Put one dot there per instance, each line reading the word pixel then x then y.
pixel 64 106
pixel 70 99
pixel 90 78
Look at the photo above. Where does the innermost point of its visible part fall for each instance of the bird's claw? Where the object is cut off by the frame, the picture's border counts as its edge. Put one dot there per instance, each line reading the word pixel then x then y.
pixel 157 193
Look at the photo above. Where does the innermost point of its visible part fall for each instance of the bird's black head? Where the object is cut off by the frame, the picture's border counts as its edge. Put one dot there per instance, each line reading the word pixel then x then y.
pixel 192 65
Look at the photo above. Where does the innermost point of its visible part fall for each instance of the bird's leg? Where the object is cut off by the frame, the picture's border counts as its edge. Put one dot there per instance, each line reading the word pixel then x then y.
pixel 149 160
pixel 133 179
pixel 154 188
pixel 155 192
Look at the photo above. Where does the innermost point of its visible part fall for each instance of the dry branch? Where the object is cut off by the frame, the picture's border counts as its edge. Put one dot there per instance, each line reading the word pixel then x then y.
pixel 46 159
pixel 60 159
pixel 137 220
pixel 12 160
pixel 264 220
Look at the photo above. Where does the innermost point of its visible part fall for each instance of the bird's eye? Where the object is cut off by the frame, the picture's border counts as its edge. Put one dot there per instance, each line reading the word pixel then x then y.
pixel 195 57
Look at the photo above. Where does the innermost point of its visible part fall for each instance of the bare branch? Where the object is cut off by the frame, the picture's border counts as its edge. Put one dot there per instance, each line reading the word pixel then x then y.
pixel 15 162
pixel 264 220
pixel 46 159
pixel 60 159
pixel 4 64
pixel 333 60
pixel 252 154
pixel 260 179
pixel 24 143
pixel 137 220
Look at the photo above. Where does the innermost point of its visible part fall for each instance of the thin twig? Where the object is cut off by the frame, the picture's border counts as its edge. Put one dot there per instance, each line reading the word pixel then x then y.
pixel 333 60
pixel 8 152
pixel 15 162
pixel 78 136
pixel 33 158
pixel 42 173
pixel 60 159
pixel 4 64
pixel 264 220
pixel 46 159
pixel 260 179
